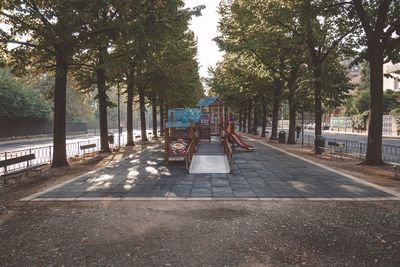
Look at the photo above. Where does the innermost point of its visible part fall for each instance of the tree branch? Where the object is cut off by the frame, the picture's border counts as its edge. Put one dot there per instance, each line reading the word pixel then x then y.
pixel 393 44
pixel 336 43
pixel 18 20
pixel 395 26
pixel 382 16
pixel 27 44
pixel 35 8
pixel 363 17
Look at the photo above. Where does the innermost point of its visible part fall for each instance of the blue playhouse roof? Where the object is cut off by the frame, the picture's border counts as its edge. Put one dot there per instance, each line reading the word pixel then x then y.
pixel 183 117
pixel 206 101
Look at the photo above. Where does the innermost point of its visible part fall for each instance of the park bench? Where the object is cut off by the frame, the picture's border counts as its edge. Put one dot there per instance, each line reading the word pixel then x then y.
pixel 86 147
pixel 333 146
pixel 19 172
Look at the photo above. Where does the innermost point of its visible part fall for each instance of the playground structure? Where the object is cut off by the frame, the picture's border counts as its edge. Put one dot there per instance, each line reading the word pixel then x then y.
pixel 181 134
pixel 200 137
pixel 212 117
pixel 235 139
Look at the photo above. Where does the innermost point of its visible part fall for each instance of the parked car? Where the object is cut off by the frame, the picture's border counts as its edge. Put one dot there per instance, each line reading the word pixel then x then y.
pixel 310 126
pixel 325 126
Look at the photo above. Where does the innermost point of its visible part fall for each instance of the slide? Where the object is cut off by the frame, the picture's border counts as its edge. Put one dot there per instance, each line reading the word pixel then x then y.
pixel 237 140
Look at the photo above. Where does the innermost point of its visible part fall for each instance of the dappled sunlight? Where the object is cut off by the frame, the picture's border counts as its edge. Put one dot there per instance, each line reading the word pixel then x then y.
pixel 351 188
pixel 132 173
pixel 128 187
pixel 101 178
pixel 151 170
pixel 166 173
pixel 151 163
pixel 101 182
pixel 301 186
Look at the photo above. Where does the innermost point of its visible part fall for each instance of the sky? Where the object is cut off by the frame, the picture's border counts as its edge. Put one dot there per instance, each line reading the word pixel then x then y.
pixel 205 29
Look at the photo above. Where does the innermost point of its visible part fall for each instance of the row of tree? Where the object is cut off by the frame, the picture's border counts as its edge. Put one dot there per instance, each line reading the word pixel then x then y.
pixel 142 47
pixel 293 51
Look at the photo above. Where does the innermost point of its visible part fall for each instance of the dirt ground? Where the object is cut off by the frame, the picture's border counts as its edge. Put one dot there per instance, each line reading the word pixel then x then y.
pixel 196 233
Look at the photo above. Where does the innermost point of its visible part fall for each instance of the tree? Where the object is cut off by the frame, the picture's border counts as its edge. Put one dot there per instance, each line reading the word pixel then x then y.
pixel 379 21
pixel 46 35
pixel 325 29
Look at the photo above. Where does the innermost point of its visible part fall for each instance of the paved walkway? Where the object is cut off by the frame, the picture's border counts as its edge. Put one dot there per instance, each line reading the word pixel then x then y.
pixel 264 173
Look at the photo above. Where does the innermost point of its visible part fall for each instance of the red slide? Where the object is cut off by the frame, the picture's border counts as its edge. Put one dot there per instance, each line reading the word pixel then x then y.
pixel 237 140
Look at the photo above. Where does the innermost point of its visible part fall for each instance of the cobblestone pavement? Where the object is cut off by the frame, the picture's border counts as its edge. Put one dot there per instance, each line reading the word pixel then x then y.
pixel 263 173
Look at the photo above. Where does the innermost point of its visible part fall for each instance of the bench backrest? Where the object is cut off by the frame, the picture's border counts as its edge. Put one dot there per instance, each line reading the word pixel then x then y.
pixel 336 144
pixel 87 146
pixel 16 160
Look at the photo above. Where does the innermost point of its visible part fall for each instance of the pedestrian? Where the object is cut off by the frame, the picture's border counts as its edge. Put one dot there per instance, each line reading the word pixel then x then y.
pixel 298 130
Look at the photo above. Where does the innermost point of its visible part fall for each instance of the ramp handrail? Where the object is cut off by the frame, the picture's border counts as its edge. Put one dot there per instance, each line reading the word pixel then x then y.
pixel 191 151
pixel 228 150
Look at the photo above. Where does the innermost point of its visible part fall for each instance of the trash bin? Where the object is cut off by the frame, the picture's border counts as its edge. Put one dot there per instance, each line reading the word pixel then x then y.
pixel 111 138
pixel 282 137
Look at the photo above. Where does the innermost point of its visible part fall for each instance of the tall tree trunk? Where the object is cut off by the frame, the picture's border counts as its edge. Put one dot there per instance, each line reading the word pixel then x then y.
pixel 142 107
pixel 154 113
pixel 244 124
pixel 374 147
pixel 102 96
pixel 129 115
pixel 255 118
pixel 275 109
pixel 162 118
pixel 264 117
pixel 317 104
pixel 240 120
pixel 249 108
pixel 292 114
pixel 60 92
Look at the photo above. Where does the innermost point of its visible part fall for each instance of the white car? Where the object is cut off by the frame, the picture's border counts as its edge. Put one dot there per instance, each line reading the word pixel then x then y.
pixel 310 126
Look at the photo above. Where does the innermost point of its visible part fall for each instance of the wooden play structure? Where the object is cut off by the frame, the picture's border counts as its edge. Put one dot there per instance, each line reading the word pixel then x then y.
pixel 197 136
pixel 181 134
pixel 212 118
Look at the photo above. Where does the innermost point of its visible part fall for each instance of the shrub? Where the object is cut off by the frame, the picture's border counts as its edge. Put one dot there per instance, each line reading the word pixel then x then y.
pixel 20 103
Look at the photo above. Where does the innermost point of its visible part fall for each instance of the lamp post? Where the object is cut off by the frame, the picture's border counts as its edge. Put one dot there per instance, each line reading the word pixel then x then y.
pixel 119 117
pixel 303 68
pixel 302 127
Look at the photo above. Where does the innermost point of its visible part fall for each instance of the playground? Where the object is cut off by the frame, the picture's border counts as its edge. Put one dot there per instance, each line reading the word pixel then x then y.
pixel 203 158
pixel 264 173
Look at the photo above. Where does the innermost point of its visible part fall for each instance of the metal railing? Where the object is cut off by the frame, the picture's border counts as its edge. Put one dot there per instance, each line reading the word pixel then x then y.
pixel 390 153
pixel 44 154
pixel 228 151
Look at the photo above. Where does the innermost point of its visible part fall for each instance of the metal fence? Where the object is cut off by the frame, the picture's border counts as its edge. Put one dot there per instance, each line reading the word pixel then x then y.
pixel 390 153
pixel 43 154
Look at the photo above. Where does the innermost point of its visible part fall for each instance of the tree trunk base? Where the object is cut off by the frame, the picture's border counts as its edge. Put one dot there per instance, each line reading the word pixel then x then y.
pixel 59 165
pixel 373 163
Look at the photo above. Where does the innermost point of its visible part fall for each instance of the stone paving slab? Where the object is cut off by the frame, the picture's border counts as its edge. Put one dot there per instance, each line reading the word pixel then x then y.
pixel 263 173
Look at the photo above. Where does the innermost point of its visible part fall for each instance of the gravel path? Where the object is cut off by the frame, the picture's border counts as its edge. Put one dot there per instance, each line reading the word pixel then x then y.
pixel 215 233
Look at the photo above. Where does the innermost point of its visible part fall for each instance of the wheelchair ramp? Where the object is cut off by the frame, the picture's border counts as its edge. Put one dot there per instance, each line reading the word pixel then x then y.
pixel 209 164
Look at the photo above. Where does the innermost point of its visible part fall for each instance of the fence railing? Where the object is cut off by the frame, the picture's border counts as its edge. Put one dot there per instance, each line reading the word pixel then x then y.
pixel 44 154
pixel 390 153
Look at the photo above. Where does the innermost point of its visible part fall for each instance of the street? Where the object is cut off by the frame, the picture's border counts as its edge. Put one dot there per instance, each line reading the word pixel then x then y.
pixel 45 142
pixel 343 136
